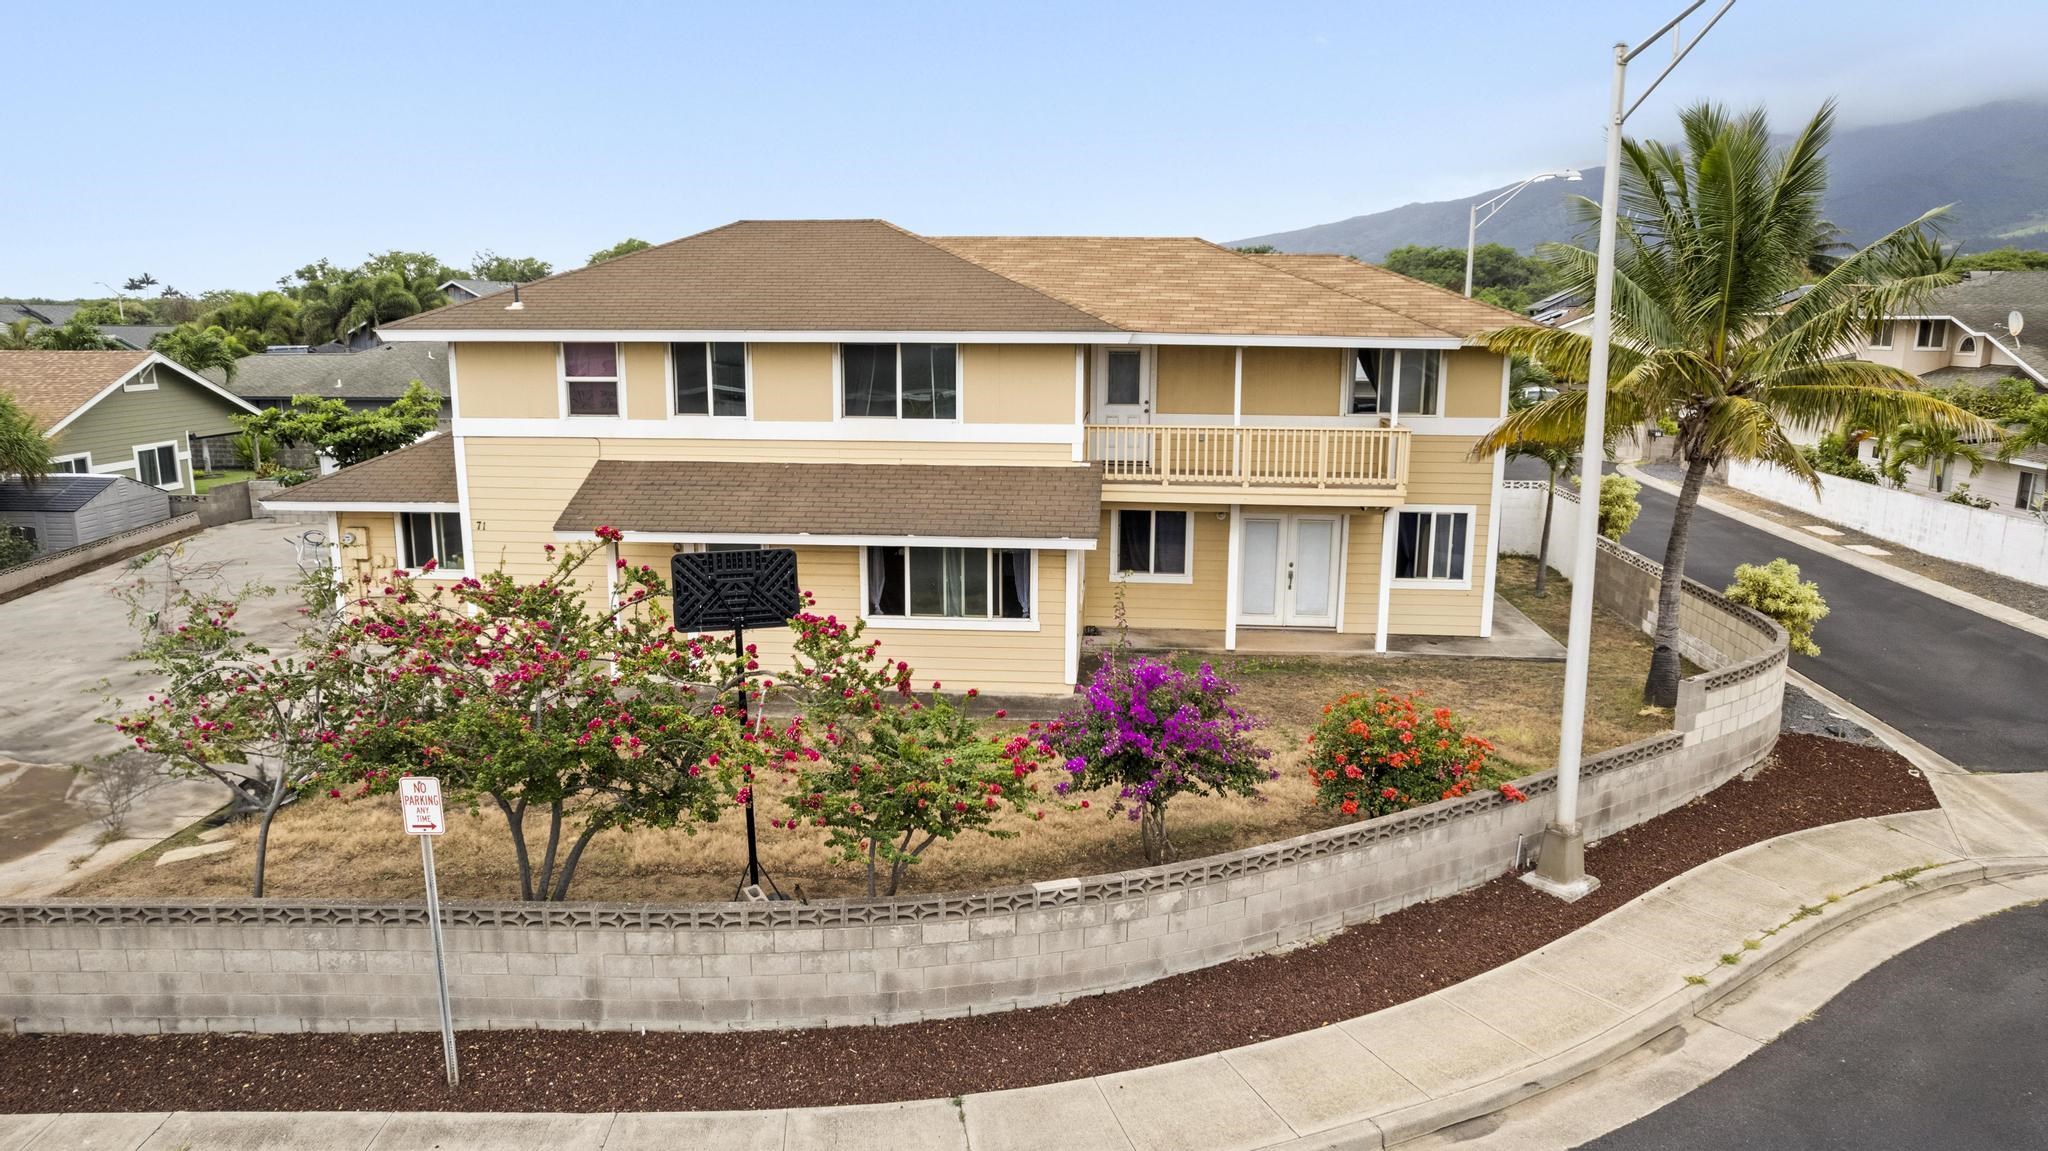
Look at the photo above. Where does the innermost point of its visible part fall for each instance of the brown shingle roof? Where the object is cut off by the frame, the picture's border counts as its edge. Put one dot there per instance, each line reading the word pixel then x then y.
pixel 52 385
pixel 1438 307
pixel 1183 285
pixel 773 275
pixel 422 473
pixel 931 501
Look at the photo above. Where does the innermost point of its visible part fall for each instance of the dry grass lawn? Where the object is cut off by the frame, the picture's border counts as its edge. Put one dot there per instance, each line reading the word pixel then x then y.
pixel 332 849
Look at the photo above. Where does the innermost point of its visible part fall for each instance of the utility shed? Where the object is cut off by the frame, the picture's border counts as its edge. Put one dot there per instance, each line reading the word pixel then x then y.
pixel 66 511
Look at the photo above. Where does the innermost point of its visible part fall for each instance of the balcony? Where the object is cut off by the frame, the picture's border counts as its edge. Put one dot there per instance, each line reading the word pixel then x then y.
pixel 1329 466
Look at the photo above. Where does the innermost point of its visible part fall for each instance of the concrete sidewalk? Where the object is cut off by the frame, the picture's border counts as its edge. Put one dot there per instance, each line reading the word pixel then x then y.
pixel 1672 958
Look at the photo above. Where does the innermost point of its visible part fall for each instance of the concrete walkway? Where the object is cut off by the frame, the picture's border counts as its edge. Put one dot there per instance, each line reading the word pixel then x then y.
pixel 1687 954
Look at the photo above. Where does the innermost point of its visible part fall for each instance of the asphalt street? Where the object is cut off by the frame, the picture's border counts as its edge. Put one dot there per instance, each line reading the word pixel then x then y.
pixel 1942 1046
pixel 1971 688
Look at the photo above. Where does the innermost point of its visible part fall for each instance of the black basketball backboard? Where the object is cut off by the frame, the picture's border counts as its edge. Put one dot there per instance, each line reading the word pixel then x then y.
pixel 720 591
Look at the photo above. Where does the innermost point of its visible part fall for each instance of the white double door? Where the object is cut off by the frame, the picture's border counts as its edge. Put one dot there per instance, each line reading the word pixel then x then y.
pixel 1287 570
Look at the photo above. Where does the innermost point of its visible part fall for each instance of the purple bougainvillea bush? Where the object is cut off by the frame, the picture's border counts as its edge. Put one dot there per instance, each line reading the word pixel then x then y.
pixel 1152 731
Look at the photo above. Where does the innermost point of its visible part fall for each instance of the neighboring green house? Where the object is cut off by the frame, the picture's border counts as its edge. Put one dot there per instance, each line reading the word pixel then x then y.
pixel 129 413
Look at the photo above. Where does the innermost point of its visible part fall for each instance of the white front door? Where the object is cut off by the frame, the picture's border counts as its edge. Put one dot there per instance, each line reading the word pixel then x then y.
pixel 1123 396
pixel 1287 571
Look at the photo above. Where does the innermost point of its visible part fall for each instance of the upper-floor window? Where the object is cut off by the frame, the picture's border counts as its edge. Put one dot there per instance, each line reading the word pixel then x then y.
pixel 590 380
pixel 1967 346
pixel 435 536
pixel 711 379
pixel 1930 335
pixel 1376 373
pixel 949 583
pixel 900 381
pixel 75 465
pixel 1881 334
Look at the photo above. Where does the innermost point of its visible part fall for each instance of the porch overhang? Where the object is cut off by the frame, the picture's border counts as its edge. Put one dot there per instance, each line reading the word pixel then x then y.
pixel 1224 494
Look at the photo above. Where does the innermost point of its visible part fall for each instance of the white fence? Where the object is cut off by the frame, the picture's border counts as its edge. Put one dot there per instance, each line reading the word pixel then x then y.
pixel 1521 522
pixel 2004 542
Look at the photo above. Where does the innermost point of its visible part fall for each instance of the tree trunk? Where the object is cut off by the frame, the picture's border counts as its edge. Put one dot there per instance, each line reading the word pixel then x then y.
pixel 263 839
pixel 1543 544
pixel 515 820
pixel 547 859
pixel 873 843
pixel 561 891
pixel 1152 833
pixel 1661 689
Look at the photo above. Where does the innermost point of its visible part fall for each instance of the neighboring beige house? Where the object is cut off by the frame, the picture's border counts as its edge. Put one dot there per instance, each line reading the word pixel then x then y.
pixel 1964 335
pixel 980 445
pixel 128 413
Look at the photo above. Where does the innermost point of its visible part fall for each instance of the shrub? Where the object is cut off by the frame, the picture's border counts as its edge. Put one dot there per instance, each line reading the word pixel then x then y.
pixel 1776 590
pixel 1835 457
pixel 1153 731
pixel 1618 504
pixel 1961 495
pixel 15 547
pixel 1377 753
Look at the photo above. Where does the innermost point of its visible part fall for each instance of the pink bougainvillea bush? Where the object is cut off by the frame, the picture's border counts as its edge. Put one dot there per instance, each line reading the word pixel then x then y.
pixel 1153 731
pixel 1380 752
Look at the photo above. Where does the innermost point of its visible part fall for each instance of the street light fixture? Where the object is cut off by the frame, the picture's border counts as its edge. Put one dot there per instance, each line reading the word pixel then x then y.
pixel 1561 865
pixel 1494 205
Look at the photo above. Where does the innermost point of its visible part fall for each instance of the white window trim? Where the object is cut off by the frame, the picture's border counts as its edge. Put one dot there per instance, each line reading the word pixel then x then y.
pixel 562 379
pixel 181 459
pixel 1471 511
pixel 945 623
pixel 708 418
pixel 404 547
pixel 1967 346
pixel 142 381
pixel 1931 326
pixel 1115 548
pixel 839 385
pixel 86 456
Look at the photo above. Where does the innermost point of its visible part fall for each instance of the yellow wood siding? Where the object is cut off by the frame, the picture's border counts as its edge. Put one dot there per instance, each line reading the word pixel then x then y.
pixel 1017 384
pixel 792 381
pixel 1472 383
pixel 1363 537
pixel 1194 380
pixel 996 662
pixel 1441 472
pixel 1198 604
pixel 646 368
pixel 507 381
pixel 374 552
pixel 1292 381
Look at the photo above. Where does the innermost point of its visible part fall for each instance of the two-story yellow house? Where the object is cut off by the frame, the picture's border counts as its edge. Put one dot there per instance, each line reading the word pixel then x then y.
pixel 977 444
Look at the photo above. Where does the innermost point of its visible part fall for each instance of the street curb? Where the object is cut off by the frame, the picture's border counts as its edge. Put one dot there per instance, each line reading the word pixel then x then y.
pixel 1990 609
pixel 1918 754
pixel 1395 1128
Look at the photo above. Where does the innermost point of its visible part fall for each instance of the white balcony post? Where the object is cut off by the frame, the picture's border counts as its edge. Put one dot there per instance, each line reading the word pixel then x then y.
pixel 1379 632
pixel 1231 593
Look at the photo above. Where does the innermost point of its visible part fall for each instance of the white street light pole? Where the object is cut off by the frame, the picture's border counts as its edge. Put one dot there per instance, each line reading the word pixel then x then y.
pixel 1473 219
pixel 122 312
pixel 1561 865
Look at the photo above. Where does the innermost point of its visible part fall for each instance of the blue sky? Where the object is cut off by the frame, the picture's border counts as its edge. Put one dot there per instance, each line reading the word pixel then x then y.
pixel 221 146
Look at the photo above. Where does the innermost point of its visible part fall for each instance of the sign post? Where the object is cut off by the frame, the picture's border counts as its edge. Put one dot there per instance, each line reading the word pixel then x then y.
pixel 733 591
pixel 420 798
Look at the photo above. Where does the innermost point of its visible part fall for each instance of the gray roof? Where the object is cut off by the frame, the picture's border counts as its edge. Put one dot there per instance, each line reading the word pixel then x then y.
pixel 1984 300
pixel 53 493
pixel 480 287
pixel 380 373
pixel 135 336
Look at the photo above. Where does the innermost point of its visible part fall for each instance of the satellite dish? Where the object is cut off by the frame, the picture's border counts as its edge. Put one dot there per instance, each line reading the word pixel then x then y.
pixel 2014 322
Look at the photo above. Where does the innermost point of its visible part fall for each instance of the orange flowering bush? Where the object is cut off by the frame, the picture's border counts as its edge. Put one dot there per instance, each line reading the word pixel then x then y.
pixel 1377 753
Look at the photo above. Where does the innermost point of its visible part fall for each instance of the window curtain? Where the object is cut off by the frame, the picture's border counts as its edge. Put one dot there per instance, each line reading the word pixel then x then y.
pixel 878 577
pixel 1020 577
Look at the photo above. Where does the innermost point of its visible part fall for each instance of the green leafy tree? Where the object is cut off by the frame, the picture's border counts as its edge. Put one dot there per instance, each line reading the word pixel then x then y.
pixel 15 548
pixel 102 312
pixel 1835 456
pixel 1256 250
pixel 334 301
pixel 1619 506
pixel 625 247
pixel 2028 429
pixel 1776 590
pixel 594 716
pixel 17 335
pixel 201 348
pixel 1500 275
pixel 1555 458
pixel 2001 401
pixel 344 434
pixel 255 320
pixel 2003 260
pixel 489 265
pixel 76 335
pixel 1713 234
pixel 23 450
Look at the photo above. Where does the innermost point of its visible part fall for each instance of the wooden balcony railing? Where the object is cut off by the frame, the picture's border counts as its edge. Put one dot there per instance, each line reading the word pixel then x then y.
pixel 1222 456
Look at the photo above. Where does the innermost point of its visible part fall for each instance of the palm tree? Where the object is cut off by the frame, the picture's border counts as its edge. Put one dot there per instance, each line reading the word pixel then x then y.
pixel 332 309
pixel 23 450
pixel 2030 430
pixel 17 335
pixel 1713 236
pixel 1932 446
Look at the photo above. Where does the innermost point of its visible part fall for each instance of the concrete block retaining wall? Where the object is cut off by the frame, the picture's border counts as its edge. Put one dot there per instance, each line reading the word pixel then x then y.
pixel 273 966
pixel 48 569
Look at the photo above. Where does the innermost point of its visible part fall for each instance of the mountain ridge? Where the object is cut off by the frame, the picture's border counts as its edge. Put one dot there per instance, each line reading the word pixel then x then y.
pixel 1989 160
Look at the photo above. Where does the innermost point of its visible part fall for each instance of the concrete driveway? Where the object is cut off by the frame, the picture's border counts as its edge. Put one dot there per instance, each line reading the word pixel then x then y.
pixel 67 647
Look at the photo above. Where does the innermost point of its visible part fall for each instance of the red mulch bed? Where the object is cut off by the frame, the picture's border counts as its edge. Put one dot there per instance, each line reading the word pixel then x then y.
pixel 1810 781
